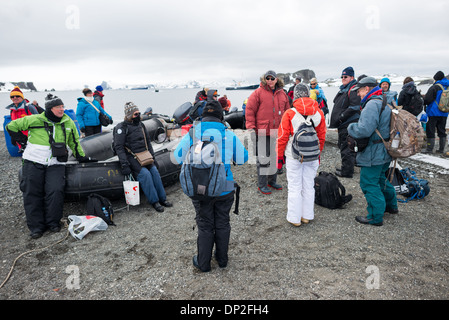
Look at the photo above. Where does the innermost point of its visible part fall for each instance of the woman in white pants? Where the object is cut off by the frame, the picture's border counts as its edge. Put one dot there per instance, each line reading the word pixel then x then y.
pixel 301 168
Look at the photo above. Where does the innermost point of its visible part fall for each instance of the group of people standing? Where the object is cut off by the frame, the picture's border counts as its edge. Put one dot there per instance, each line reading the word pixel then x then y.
pixel 272 116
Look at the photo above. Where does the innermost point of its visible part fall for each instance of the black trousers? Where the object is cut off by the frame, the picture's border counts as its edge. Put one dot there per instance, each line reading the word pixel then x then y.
pixel 213 222
pixel 438 123
pixel 347 156
pixel 90 130
pixel 43 195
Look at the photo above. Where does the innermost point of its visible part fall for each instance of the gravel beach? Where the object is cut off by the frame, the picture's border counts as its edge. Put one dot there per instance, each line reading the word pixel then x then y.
pixel 148 255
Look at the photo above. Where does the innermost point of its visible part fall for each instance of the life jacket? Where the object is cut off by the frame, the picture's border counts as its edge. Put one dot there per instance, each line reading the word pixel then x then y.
pixel 20 112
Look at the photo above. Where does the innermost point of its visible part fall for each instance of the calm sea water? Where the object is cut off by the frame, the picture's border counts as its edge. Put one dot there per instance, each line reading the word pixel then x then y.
pixel 163 102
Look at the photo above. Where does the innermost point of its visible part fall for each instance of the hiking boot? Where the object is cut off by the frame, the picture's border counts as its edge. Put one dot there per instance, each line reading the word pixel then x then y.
pixel 430 145
pixel 196 265
pixel 339 174
pixel 166 203
pixel 392 211
pixel 264 190
pixel 294 224
pixel 364 220
pixel 55 229
pixel 36 235
pixel 158 207
pixel 275 186
pixel 442 145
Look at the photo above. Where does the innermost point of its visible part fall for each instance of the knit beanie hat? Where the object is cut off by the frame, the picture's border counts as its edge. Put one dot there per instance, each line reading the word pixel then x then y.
pixel 130 108
pixel 301 91
pixel 16 92
pixel 348 71
pixel 52 101
pixel 213 109
pixel 438 76
pixel 99 88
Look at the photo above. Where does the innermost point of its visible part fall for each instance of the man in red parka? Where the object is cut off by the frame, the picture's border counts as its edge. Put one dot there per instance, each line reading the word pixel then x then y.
pixel 264 111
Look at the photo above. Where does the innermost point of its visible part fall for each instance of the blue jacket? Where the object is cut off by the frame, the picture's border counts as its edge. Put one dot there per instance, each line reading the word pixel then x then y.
pixel 86 115
pixel 370 120
pixel 434 95
pixel 234 151
pixel 320 96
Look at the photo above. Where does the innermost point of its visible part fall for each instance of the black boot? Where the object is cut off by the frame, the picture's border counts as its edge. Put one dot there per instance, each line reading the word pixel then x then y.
pixel 442 145
pixel 430 145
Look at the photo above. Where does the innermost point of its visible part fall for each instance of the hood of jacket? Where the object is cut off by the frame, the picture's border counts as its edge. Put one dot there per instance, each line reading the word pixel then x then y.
pixel 410 88
pixel 306 106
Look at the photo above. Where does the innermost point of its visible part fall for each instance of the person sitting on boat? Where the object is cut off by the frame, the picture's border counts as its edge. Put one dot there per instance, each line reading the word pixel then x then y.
pixel 43 168
pixel 197 109
pixel 19 107
pixel 88 113
pixel 201 95
pixel 98 95
pixel 130 138
pixel 225 104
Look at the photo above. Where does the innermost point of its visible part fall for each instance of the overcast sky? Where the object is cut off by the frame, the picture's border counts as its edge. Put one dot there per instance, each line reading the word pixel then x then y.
pixel 61 44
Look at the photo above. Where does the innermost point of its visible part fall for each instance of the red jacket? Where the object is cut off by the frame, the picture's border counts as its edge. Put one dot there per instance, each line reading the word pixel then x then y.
pixel 265 108
pixel 99 97
pixel 306 107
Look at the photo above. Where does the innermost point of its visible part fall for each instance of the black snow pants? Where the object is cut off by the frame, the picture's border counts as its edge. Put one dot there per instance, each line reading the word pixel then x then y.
pixel 213 222
pixel 43 195
pixel 348 157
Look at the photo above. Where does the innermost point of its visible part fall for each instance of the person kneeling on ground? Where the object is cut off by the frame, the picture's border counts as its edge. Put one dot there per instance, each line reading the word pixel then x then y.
pixel 374 160
pixel 212 217
pixel 43 169
pixel 130 138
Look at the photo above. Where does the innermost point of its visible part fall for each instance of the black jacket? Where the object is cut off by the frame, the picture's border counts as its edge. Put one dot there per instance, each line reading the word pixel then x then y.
pixel 408 91
pixel 346 107
pixel 129 135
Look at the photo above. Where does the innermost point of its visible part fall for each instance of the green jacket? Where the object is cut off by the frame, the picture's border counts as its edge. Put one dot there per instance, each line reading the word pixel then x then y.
pixel 38 145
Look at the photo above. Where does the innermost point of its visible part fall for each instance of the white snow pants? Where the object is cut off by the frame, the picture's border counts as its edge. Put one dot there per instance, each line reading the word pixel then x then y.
pixel 301 191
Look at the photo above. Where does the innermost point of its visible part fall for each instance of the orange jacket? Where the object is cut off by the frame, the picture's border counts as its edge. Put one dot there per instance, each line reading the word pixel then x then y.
pixel 306 107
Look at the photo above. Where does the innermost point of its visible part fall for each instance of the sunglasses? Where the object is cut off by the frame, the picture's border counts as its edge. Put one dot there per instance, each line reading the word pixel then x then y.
pixel 344 77
pixel 270 78
pixel 15 97
pixel 137 114
pixel 313 84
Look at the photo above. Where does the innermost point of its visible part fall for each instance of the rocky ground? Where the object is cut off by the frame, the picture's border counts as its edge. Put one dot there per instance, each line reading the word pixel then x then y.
pixel 148 255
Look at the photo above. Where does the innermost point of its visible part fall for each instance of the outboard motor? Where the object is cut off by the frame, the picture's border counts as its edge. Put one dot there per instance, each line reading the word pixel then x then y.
pixel 181 115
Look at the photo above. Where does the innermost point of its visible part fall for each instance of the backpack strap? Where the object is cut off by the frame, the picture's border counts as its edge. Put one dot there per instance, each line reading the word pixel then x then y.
pixel 50 132
pixel 384 104
pixel 306 119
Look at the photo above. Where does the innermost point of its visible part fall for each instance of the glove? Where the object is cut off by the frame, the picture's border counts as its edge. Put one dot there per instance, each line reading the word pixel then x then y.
pixel 86 159
pixel 126 170
pixel 281 162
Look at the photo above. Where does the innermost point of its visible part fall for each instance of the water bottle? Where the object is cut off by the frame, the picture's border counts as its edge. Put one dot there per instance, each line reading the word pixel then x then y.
pixel 395 142
pixel 105 212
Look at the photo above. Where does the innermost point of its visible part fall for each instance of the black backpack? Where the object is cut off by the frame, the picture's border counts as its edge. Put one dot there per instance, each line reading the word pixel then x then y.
pixel 101 207
pixel 329 192
pixel 416 104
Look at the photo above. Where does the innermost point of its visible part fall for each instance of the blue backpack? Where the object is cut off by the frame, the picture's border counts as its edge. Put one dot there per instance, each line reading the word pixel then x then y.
pixel 203 173
pixel 417 188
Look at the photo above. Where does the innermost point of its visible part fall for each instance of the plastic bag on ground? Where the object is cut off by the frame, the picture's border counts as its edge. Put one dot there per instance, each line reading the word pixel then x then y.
pixel 80 226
